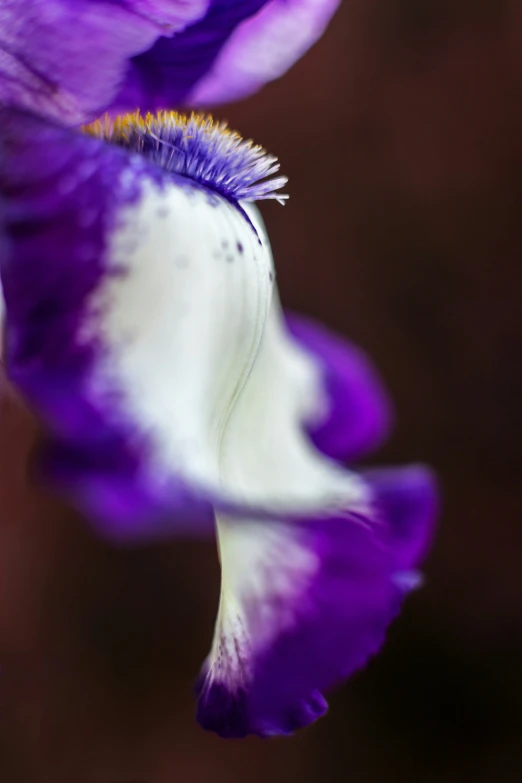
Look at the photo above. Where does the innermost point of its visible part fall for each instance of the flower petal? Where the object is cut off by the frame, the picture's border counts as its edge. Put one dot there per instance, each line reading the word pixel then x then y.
pixel 357 415
pixel 70 60
pixel 305 598
pixel 136 304
pixel 408 498
pixel 263 49
pixel 304 605
pixel 66 59
pixel 164 76
pixel 230 53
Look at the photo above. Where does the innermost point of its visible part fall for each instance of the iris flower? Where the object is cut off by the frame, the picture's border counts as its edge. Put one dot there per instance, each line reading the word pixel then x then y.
pixel 144 328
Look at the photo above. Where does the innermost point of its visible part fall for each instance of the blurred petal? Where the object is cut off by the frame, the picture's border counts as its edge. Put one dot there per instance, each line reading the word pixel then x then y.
pixel 356 417
pixel 165 75
pixel 263 49
pixel 67 58
pixel 72 59
pixel 408 498
pixel 302 607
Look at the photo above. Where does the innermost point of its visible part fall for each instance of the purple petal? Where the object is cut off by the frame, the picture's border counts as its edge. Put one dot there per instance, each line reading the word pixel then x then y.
pixel 72 59
pixel 263 49
pixel 165 75
pixel 408 498
pixel 66 59
pixel 239 46
pixel 304 606
pixel 358 412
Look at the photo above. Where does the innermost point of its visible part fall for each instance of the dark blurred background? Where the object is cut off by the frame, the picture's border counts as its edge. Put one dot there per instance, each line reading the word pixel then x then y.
pixel 401 132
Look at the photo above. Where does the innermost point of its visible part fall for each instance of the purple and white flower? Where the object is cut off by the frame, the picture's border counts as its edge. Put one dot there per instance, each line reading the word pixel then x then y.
pixel 145 330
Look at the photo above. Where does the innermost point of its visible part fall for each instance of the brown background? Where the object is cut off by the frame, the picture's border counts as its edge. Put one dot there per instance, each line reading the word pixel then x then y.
pixel 401 135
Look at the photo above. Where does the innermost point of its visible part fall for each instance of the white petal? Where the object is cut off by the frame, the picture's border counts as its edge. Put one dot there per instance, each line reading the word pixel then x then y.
pixel 181 323
pixel 266 456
